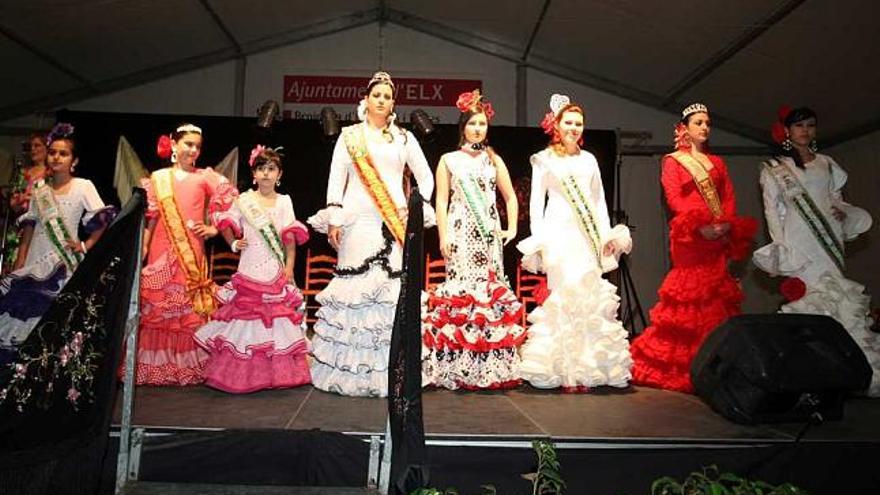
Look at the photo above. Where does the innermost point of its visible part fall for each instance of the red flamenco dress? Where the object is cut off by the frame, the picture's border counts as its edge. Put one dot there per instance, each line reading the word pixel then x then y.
pixel 698 293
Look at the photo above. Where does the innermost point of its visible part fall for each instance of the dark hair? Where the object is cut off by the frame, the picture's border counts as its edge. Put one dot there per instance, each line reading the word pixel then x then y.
pixel 37 135
pixel 687 118
pixel 70 139
pixel 268 155
pixel 462 122
pixel 796 115
pixel 799 114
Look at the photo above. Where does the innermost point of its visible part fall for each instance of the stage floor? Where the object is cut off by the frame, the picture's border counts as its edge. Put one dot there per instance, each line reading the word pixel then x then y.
pixel 633 415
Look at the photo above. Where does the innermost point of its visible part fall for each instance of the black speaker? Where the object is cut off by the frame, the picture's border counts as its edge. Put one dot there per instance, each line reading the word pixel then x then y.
pixel 779 368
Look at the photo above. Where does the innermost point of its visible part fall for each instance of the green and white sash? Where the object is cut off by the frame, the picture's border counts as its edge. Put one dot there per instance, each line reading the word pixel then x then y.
pixel 582 212
pixel 53 222
pixel 257 217
pixel 478 206
pixel 797 195
pixel 475 200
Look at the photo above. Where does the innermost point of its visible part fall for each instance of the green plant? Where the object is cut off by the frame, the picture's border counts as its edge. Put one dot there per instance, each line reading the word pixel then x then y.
pixel 711 481
pixel 547 479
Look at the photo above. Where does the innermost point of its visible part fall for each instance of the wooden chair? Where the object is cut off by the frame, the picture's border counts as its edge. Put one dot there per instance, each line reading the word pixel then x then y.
pixel 319 272
pixel 526 283
pixel 435 272
pixel 222 265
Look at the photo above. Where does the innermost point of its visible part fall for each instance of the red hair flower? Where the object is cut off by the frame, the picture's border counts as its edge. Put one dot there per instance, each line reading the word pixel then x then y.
pixel 777 130
pixel 163 147
pixel 792 289
pixel 472 102
pixel 488 110
pixel 467 100
pixel 548 123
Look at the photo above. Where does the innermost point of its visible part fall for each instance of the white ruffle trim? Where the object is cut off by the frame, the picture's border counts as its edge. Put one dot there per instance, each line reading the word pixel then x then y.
pixel 532 246
pixel 331 215
pixel 779 259
pixel 846 302
pixel 353 334
pixel 575 338
pixel 358 291
pixel 246 335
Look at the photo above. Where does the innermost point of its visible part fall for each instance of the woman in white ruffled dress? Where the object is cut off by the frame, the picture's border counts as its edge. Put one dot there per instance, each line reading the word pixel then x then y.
pixel 575 340
pixel 808 232
pixel 365 221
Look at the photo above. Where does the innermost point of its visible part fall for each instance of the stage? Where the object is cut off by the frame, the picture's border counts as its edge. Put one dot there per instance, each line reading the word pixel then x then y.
pixel 610 441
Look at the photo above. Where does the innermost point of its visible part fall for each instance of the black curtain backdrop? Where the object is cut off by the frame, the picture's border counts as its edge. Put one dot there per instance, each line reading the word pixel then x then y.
pixel 307 162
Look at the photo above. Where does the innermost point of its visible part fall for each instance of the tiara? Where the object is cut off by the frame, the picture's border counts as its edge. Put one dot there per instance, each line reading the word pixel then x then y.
pixel 558 102
pixel 189 128
pixel 694 108
pixel 381 77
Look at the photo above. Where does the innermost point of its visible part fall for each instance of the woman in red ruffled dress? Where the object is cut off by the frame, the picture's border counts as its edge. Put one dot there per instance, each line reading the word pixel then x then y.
pixel 177 294
pixel 471 327
pixel 698 294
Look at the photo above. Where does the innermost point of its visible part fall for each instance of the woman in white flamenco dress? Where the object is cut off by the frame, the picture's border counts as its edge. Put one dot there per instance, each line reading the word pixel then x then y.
pixel 575 340
pixel 808 222
pixel 365 222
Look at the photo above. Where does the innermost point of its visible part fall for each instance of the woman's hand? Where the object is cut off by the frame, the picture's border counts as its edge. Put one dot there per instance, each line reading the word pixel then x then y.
pixel 508 235
pixel 714 231
pixel 203 231
pixel 445 249
pixel 75 246
pixel 238 245
pixel 609 249
pixel 334 236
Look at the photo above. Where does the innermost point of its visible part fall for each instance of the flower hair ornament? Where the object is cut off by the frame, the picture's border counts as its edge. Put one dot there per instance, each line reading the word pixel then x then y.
pixel 163 147
pixel 777 130
pixel 472 101
pixel 557 103
pixel 61 130
pixel 259 149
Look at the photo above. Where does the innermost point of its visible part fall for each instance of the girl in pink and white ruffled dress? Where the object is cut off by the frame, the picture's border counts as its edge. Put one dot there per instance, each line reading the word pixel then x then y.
pixel 256 338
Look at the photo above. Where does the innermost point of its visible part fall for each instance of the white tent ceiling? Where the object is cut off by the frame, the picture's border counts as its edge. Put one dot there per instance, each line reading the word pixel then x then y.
pixel 744 58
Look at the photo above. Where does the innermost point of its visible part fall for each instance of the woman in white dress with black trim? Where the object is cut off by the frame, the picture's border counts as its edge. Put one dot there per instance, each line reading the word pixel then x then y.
pixel 365 222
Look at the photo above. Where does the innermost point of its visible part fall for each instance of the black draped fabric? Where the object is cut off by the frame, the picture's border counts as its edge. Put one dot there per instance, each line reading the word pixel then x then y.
pixel 59 394
pixel 408 456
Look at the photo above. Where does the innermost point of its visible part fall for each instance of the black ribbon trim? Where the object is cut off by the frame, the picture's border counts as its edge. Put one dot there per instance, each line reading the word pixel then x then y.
pixel 379 258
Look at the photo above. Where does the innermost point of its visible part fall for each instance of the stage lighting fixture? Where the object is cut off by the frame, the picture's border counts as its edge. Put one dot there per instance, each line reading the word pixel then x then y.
pixel 268 114
pixel 422 124
pixel 329 122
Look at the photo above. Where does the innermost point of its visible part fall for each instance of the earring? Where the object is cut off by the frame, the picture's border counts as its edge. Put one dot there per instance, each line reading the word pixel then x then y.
pixel 814 146
pixel 786 145
pixel 277 183
pixel 173 156
pixel 254 181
